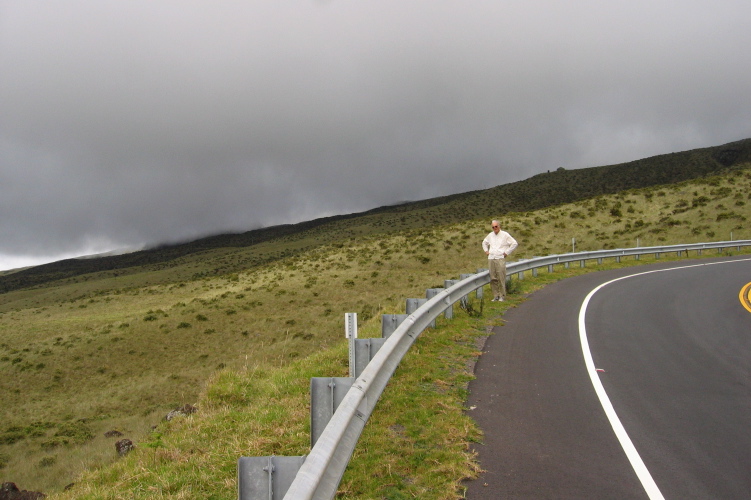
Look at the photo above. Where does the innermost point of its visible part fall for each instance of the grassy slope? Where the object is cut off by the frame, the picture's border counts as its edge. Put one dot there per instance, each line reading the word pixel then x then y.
pixel 119 348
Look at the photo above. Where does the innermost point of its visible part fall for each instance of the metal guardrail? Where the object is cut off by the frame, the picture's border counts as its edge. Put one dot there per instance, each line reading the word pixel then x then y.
pixel 322 470
pixel 320 474
pixel 550 260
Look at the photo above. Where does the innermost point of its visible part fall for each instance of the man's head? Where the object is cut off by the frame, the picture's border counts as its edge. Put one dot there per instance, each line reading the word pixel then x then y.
pixel 496 226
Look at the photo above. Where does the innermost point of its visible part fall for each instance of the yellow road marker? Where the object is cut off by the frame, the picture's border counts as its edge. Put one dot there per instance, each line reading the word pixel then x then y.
pixel 745 296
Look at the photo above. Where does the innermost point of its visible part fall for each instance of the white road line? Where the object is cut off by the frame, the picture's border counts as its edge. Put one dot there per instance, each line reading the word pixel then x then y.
pixel 633 456
pixel 636 462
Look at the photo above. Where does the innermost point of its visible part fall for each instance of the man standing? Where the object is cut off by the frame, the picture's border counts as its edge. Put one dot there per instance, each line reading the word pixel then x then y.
pixel 498 245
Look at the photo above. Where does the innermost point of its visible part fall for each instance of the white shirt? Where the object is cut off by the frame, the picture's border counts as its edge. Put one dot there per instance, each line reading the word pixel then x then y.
pixel 499 245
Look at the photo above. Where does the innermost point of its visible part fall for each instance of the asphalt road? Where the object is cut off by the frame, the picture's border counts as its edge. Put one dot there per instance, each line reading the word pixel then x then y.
pixel 672 351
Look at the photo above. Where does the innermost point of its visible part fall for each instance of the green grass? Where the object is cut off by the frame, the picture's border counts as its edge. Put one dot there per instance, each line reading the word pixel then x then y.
pixel 119 349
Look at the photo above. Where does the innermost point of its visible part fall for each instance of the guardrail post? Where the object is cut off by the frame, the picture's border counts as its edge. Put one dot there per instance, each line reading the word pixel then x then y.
pixel 365 350
pixel 465 299
pixel 361 351
pixel 582 263
pixel 478 292
pixel 414 304
pixel 566 264
pixel 599 260
pixel 326 393
pixel 618 259
pixel 429 294
pixel 449 312
pixel 657 255
pixel 266 477
pixel 390 322
pixel 550 268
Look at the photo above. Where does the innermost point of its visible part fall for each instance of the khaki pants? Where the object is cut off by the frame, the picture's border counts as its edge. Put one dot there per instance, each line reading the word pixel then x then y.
pixel 498 277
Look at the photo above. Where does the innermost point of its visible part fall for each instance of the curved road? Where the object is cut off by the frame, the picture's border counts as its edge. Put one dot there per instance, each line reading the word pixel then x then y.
pixel 671 349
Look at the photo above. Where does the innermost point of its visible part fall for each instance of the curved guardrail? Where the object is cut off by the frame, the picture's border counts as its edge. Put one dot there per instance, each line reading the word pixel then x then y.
pixel 538 262
pixel 320 474
pixel 322 470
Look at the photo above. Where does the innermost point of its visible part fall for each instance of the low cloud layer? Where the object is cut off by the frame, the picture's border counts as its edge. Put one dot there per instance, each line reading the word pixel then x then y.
pixel 124 124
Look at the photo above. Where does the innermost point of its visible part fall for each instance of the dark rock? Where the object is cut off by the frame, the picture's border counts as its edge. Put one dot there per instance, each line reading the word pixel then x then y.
pixel 124 446
pixel 186 410
pixel 9 491
pixel 113 433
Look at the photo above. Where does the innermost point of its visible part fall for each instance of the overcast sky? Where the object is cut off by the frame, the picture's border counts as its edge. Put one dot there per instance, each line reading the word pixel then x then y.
pixel 134 122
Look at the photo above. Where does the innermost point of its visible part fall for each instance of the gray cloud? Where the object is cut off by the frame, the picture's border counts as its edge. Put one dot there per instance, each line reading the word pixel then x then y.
pixel 130 123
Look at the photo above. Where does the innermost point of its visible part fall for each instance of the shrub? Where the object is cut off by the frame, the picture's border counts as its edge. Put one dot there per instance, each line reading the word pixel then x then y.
pixel 729 215
pixel 75 432
pixel 12 435
pixel 699 201
pixel 513 286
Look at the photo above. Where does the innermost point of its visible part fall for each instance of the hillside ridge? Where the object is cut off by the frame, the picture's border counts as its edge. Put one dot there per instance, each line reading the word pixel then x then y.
pixel 539 191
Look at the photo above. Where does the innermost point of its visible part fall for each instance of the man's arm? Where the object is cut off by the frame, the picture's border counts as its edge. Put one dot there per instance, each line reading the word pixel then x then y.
pixel 512 244
pixel 486 245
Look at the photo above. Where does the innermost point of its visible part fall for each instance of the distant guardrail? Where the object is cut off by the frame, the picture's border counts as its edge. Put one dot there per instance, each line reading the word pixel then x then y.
pixel 317 475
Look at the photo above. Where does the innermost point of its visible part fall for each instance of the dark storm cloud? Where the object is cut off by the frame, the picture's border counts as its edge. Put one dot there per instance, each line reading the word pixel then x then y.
pixel 130 123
